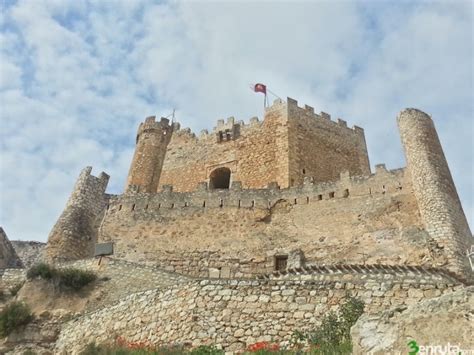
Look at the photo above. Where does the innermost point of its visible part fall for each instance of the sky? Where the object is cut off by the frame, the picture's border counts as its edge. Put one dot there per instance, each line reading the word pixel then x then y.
pixel 77 77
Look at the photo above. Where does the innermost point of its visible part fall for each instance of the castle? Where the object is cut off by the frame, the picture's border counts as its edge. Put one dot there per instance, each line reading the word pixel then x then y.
pixel 292 190
pixel 255 230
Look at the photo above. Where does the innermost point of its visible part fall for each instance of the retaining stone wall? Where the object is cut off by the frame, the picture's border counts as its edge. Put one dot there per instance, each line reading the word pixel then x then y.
pixel 371 219
pixel 236 313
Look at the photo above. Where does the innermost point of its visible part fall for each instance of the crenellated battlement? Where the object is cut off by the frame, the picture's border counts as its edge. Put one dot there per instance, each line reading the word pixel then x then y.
pixel 151 125
pixel 323 116
pixel 382 182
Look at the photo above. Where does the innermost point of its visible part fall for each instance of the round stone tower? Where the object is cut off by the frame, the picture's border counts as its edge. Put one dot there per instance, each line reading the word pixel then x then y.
pixel 438 201
pixel 152 141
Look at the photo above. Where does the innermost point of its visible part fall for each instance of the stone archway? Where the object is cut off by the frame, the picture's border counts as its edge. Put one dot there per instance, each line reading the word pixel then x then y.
pixel 220 178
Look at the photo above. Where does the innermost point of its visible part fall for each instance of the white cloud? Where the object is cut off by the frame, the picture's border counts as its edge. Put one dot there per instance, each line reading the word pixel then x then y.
pixel 77 77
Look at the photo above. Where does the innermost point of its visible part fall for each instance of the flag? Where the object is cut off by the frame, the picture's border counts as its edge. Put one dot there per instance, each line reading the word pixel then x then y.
pixel 260 88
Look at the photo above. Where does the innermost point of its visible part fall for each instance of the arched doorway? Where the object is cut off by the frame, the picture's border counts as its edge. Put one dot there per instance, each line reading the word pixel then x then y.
pixel 219 179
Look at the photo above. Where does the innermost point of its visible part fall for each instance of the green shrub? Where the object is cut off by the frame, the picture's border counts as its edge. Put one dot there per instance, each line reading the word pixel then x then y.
pixel 42 270
pixel 64 279
pixel 75 279
pixel 333 335
pixel 13 316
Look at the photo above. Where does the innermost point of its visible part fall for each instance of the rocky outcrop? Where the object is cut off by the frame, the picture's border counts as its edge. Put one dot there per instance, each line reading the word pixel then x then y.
pixel 443 321
pixel 29 252
pixel 8 256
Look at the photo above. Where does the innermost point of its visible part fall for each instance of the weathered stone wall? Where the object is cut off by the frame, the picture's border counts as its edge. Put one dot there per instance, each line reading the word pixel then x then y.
pixel 75 233
pixel 289 140
pixel 236 313
pixel 255 153
pixel 434 189
pixel 8 256
pixel 321 149
pixel 239 232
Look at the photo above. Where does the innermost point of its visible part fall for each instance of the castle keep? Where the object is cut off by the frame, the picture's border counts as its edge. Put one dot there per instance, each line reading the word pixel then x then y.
pixel 291 190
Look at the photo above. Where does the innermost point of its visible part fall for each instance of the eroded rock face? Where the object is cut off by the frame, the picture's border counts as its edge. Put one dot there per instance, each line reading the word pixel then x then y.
pixel 442 321
pixel 30 252
pixel 8 256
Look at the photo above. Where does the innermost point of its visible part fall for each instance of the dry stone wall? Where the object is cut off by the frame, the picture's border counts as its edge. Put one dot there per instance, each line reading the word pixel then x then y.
pixel 120 278
pixel 236 313
pixel 235 233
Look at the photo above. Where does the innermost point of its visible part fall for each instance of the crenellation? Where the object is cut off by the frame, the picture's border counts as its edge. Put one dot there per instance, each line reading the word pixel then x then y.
pixel 341 122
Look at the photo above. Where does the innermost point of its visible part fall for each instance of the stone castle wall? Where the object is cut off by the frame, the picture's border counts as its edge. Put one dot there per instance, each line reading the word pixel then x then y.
pixel 290 140
pixel 75 233
pixel 254 154
pixel 235 233
pixel 236 313
pixel 321 148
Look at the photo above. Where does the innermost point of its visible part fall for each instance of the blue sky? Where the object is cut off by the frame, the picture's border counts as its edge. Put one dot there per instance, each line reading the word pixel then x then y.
pixel 76 78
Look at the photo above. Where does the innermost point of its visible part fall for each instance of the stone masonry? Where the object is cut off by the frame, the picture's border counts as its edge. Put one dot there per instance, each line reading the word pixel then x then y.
pixel 75 233
pixel 239 201
pixel 237 313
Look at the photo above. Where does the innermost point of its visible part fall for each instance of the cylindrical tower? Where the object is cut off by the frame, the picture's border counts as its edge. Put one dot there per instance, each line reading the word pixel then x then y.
pixel 152 141
pixel 438 201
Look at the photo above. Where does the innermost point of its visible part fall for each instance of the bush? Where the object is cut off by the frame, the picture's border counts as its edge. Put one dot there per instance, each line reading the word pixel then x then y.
pixel 75 279
pixel 13 316
pixel 42 270
pixel 333 335
pixel 64 279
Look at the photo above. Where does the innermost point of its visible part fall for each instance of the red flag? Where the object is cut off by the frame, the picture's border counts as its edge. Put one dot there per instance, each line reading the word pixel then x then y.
pixel 260 88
